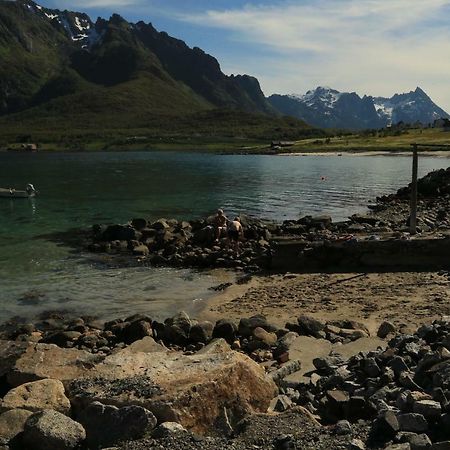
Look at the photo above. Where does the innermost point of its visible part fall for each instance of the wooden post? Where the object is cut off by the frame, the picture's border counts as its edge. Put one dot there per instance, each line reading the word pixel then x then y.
pixel 413 216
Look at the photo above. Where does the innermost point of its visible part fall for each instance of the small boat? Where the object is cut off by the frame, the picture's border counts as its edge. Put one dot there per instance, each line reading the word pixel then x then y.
pixel 29 192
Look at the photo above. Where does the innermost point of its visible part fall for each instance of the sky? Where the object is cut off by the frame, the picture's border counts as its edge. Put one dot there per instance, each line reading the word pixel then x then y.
pixel 372 47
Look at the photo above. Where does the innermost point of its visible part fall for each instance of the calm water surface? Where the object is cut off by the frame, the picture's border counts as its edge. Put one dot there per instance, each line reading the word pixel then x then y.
pixel 80 189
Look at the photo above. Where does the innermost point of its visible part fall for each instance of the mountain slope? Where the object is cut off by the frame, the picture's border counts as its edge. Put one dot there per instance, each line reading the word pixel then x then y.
pixel 59 58
pixel 328 108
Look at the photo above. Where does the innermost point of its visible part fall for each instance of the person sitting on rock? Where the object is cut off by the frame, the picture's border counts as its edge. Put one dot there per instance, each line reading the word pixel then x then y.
pixel 235 233
pixel 220 224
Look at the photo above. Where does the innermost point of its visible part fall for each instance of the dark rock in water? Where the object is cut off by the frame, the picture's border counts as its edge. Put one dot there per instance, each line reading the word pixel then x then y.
pixel 107 425
pixel 225 329
pixel 51 430
pixel 119 233
pixel 139 223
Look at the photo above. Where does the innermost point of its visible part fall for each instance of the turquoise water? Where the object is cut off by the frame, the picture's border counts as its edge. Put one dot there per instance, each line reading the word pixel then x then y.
pixel 79 189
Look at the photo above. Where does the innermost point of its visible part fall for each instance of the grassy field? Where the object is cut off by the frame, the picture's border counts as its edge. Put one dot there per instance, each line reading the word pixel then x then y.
pixel 375 142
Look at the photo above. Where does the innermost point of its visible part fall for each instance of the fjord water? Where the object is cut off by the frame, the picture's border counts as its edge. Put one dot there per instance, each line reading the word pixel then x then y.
pixel 80 189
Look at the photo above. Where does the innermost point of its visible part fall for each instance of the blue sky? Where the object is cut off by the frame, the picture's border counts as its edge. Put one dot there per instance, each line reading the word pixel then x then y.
pixel 374 47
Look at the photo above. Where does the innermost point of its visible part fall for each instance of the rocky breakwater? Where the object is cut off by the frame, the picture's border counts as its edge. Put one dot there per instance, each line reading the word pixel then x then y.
pixel 433 204
pixel 169 242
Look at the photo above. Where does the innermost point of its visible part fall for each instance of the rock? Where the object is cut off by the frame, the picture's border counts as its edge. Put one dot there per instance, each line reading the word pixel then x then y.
pixel 119 233
pixel 145 345
pixel 260 334
pixel 161 225
pixel 201 332
pixel 371 367
pixel 106 425
pixel 136 330
pixel 190 390
pixel 139 223
pixel 343 427
pixel 61 338
pixel 412 422
pixel 41 361
pixel 51 430
pixel 419 441
pixel 167 429
pixel 12 423
pixel 385 329
pixel 356 444
pixel 386 425
pixel 309 326
pixel 284 442
pixel 284 344
pixel 36 396
pixel 280 403
pixel 430 409
pixel 444 445
pixel 246 326
pixel 225 329
pixel 9 353
pixel 141 250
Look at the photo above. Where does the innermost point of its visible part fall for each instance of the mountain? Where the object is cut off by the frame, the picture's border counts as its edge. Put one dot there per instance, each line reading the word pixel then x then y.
pixel 62 70
pixel 328 108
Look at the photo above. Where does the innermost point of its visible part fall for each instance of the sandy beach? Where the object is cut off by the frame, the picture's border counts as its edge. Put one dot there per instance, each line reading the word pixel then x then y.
pixel 407 299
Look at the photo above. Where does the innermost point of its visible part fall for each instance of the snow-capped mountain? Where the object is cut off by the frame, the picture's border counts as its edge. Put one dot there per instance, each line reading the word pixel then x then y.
pixel 328 108
pixel 78 26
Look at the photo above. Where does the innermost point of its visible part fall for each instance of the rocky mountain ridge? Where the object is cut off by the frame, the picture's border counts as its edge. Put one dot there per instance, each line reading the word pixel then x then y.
pixel 329 108
pixel 51 54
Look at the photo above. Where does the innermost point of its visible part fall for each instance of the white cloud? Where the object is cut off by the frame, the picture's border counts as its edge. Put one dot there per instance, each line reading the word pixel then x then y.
pixel 376 47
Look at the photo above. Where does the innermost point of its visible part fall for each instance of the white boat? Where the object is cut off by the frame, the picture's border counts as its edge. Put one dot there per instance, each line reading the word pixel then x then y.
pixel 29 192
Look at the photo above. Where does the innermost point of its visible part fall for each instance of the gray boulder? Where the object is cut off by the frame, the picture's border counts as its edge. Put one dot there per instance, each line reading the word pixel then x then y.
pixel 51 430
pixel 106 425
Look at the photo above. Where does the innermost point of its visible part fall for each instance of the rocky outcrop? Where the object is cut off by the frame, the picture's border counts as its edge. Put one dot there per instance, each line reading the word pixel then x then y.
pixel 36 396
pixel 191 390
pixel 41 361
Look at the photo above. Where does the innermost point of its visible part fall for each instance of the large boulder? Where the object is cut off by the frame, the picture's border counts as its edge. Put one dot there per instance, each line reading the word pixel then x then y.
pixel 106 424
pixel 191 390
pixel 119 233
pixel 10 352
pixel 41 361
pixel 37 395
pixel 12 423
pixel 51 430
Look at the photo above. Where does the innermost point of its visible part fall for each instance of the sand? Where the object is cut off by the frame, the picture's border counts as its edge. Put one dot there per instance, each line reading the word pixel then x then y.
pixel 408 299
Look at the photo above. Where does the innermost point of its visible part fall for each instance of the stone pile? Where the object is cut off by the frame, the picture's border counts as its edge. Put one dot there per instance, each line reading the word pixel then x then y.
pixel 255 336
pixel 182 243
pixel 403 391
